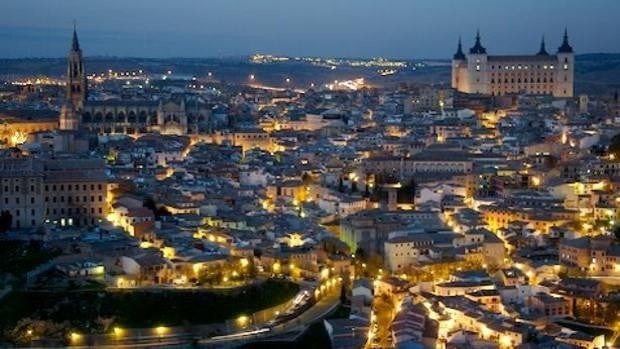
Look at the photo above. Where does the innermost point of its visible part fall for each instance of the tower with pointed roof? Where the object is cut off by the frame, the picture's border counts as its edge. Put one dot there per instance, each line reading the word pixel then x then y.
pixel 459 62
pixel 76 76
pixel 476 66
pixel 76 89
pixel 565 73
pixel 542 73
pixel 543 49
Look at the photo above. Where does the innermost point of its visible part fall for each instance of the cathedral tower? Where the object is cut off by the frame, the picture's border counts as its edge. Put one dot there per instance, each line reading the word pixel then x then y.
pixel 76 87
pixel 76 77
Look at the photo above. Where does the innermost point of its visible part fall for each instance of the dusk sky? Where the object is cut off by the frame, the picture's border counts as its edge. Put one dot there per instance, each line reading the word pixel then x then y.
pixel 351 28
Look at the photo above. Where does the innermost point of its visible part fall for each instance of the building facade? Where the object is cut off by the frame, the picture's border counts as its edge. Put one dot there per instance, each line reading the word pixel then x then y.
pixel 539 74
pixel 62 191
pixel 177 115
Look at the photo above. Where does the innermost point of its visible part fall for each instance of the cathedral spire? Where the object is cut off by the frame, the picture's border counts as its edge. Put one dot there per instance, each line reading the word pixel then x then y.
pixel 76 76
pixel 459 55
pixel 543 48
pixel 566 47
pixel 75 44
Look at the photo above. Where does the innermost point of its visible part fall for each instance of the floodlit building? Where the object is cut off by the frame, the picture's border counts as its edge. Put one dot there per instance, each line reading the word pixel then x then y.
pixel 539 74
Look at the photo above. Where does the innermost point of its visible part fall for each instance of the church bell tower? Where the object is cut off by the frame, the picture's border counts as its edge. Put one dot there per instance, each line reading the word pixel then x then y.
pixel 76 87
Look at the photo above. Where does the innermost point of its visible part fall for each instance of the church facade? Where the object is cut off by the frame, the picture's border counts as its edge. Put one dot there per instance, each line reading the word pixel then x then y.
pixel 538 74
pixel 178 114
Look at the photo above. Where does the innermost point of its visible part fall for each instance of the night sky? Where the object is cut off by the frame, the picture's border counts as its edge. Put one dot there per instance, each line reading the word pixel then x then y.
pixel 343 28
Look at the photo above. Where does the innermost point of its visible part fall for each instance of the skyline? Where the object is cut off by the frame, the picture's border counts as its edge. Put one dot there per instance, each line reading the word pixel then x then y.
pixel 238 28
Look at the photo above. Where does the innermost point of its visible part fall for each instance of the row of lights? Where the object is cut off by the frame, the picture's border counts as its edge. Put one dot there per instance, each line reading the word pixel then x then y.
pixel 117 332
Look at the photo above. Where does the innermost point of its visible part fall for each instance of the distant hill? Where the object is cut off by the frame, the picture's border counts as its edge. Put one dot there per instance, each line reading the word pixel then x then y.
pixel 598 57
pixel 595 73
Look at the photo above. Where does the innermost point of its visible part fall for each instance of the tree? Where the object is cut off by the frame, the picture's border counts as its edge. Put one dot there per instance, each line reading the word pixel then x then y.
pixel 157 211
pixel 360 253
pixel 343 293
pixel 162 211
pixel 150 204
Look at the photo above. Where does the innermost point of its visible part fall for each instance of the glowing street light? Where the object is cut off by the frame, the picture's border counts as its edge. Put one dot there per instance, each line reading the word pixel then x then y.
pixel 251 76
pixel 75 337
pixel 161 330
pixel 118 332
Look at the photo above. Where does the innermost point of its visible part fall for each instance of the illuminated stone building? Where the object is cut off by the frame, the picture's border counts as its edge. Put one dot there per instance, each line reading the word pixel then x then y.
pixel 67 191
pixel 539 74
pixel 177 115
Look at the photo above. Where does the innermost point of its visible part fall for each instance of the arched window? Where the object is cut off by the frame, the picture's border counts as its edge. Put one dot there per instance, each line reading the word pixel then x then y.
pixel 109 117
pixel 120 117
pixel 98 117
pixel 131 118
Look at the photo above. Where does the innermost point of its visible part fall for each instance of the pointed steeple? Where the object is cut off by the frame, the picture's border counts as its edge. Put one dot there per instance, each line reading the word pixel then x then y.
pixel 75 44
pixel 566 47
pixel 478 48
pixel 543 48
pixel 459 55
pixel 76 75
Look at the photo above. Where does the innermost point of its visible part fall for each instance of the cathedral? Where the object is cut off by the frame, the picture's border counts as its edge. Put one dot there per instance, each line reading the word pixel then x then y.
pixel 538 74
pixel 176 114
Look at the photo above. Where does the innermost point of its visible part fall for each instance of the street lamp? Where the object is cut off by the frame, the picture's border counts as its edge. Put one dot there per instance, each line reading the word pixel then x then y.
pixel 75 337
pixel 160 331
pixel 118 332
